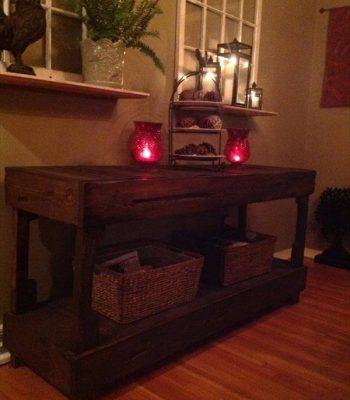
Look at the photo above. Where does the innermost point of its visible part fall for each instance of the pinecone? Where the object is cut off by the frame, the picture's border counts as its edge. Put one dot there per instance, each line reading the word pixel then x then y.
pixel 187 94
pixel 212 96
pixel 211 122
pixel 189 149
pixel 203 149
pixel 210 148
pixel 199 95
pixel 187 122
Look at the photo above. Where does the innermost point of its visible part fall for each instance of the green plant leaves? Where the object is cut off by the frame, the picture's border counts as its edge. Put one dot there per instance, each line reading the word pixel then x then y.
pixel 125 20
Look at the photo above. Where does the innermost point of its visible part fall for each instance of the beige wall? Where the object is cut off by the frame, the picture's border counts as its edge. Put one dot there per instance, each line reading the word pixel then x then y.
pixel 292 59
pixel 47 129
pixel 284 73
pixel 59 129
pixel 327 143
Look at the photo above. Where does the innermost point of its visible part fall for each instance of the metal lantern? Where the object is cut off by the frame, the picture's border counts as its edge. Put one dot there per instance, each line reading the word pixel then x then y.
pixel 209 72
pixel 236 61
pixel 255 96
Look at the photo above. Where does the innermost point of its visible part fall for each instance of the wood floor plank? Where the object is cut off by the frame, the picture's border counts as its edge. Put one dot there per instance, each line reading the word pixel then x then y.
pixel 299 352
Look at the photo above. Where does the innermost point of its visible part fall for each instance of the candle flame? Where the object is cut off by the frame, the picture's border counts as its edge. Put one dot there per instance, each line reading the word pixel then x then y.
pixel 233 61
pixel 210 76
pixel 237 157
pixel 146 152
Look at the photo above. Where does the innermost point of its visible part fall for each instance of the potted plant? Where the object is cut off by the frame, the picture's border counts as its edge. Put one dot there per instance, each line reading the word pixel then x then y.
pixel 112 27
pixel 333 214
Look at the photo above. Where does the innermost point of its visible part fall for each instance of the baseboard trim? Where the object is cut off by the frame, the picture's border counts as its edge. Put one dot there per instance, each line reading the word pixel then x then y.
pixel 285 254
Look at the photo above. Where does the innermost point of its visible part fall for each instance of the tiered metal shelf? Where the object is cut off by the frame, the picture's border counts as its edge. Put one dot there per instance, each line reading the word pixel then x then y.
pixel 204 107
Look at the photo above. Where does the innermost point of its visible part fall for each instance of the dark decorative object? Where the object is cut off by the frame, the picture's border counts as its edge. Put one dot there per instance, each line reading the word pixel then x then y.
pixel 333 214
pixel 237 149
pixel 255 96
pixel 22 28
pixel 146 144
pixel 239 59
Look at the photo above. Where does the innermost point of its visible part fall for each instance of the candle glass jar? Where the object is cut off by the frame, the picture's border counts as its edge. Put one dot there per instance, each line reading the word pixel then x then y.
pixel 146 146
pixel 237 146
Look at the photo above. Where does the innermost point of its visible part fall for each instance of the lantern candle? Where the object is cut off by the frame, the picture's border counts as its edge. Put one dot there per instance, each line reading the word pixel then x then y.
pixel 255 100
pixel 146 144
pixel 255 96
pixel 145 153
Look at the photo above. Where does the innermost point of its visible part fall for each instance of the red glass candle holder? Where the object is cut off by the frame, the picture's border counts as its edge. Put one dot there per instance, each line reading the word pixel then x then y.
pixel 237 147
pixel 146 146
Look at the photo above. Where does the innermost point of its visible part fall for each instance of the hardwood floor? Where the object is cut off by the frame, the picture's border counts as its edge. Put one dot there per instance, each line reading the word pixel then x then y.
pixel 299 352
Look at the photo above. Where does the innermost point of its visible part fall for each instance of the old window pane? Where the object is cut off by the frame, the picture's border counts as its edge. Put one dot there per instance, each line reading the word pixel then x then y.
pixel 215 3
pixel 247 35
pixel 233 7
pixel 213 31
pixel 193 25
pixel 231 31
pixel 66 36
pixel 191 63
pixel 249 10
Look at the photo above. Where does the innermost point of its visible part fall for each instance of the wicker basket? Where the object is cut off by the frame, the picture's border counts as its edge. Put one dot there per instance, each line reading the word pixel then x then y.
pixel 126 297
pixel 227 263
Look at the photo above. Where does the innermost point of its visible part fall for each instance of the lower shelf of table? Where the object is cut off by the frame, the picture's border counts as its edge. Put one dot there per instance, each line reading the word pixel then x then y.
pixel 43 338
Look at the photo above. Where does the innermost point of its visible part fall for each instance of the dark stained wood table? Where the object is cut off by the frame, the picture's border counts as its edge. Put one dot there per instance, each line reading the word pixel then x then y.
pixel 78 351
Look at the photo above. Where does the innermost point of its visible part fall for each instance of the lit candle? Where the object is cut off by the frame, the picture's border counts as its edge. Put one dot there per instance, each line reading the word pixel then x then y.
pixel 146 153
pixel 255 102
pixel 236 157
pixel 227 77
pixel 237 146
pixel 146 144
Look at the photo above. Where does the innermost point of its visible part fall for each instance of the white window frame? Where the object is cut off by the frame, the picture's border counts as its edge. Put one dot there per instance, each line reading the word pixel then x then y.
pixel 180 36
pixel 47 71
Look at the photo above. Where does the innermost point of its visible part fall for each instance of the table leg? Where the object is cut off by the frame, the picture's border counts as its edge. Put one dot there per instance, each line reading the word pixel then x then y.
pixel 242 221
pixel 23 293
pixel 86 322
pixel 297 258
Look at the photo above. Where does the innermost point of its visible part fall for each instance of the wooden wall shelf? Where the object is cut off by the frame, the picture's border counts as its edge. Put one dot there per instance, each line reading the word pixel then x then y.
pixel 79 88
pixel 224 108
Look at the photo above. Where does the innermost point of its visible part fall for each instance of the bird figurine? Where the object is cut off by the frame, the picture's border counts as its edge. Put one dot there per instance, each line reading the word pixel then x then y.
pixel 6 32
pixel 22 28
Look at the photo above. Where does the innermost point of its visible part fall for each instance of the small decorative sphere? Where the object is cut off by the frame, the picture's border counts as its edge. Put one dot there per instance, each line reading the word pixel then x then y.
pixel 187 122
pixel 187 95
pixel 211 122
pixel 212 96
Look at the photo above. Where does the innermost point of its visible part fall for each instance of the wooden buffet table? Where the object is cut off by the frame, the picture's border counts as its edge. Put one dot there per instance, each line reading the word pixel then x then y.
pixel 78 351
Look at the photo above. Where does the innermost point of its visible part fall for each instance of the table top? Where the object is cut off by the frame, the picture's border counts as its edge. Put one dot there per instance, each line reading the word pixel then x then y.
pixel 93 195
